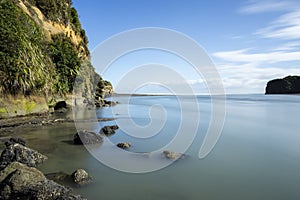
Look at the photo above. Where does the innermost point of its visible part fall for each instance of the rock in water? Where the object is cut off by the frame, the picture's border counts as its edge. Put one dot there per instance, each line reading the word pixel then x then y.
pixel 81 177
pixel 172 155
pixel 124 145
pixel 287 85
pixel 109 130
pixel 18 181
pixel 85 137
pixel 16 152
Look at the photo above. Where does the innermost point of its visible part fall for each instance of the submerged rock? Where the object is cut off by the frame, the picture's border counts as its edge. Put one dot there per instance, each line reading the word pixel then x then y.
pixel 81 177
pixel 85 137
pixel 172 155
pixel 124 145
pixel 109 130
pixel 15 152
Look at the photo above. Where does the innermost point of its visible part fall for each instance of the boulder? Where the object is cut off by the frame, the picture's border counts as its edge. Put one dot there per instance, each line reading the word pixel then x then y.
pixel 109 130
pixel 81 177
pixel 171 155
pixel 124 145
pixel 85 137
pixel 16 152
pixel 18 181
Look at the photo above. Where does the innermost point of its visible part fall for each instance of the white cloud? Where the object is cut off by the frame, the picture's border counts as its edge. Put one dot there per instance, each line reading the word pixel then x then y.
pixel 288 46
pixel 249 78
pixel 285 27
pixel 270 57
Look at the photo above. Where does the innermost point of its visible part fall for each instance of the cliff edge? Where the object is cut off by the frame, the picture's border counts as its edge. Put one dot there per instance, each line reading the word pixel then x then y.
pixel 43 51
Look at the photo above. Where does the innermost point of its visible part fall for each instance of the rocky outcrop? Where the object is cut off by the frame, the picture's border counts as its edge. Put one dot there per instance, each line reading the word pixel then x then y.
pixel 15 152
pixel 85 137
pixel 109 130
pixel 287 85
pixel 19 181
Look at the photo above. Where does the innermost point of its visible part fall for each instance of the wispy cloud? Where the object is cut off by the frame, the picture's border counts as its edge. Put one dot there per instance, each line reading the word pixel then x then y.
pixel 285 27
pixel 256 6
pixel 289 46
pixel 246 57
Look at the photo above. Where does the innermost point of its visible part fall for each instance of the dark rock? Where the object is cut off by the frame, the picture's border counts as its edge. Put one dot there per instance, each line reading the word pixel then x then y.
pixel 172 155
pixel 60 105
pixel 104 103
pixel 109 130
pixel 287 85
pixel 81 177
pixel 18 153
pixel 15 141
pixel 124 145
pixel 18 181
pixel 85 137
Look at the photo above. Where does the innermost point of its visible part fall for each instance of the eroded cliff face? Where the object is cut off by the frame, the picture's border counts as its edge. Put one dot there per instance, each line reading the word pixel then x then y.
pixel 43 52
pixel 287 85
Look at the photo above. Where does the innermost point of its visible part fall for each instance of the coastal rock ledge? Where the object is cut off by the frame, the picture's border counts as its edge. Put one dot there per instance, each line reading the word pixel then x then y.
pixel 287 85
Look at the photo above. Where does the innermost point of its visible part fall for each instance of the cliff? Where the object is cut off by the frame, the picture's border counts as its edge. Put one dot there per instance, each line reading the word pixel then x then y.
pixel 43 50
pixel 287 85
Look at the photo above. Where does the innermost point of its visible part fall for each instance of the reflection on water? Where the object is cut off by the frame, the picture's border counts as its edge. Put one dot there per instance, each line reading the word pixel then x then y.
pixel 257 156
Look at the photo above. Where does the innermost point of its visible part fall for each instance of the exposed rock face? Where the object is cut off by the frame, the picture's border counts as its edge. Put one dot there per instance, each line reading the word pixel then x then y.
pixel 109 130
pixel 124 145
pixel 172 155
pixel 81 177
pixel 15 152
pixel 287 85
pixel 85 137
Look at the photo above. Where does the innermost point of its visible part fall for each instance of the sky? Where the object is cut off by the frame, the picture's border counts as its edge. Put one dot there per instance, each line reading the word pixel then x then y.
pixel 250 42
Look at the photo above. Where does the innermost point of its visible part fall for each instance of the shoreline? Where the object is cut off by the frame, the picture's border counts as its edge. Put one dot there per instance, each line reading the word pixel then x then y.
pixel 8 125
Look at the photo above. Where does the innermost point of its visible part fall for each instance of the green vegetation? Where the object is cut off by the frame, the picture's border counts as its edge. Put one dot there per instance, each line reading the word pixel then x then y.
pixel 37 64
pixel 23 65
pixel 67 63
pixel 29 64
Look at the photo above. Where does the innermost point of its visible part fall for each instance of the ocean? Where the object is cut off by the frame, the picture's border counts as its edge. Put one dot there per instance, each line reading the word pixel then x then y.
pixel 256 155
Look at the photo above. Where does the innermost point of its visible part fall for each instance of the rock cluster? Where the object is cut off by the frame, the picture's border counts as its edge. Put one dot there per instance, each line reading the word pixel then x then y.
pixel 19 179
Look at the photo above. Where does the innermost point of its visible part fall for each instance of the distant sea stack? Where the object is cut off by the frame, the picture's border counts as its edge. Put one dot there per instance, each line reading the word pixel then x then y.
pixel 287 85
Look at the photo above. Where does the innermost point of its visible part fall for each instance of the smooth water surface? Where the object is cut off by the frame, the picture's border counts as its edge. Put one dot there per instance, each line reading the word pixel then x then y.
pixel 257 156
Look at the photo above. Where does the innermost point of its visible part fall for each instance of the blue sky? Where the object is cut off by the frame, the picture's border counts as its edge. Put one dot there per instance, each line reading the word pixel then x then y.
pixel 250 42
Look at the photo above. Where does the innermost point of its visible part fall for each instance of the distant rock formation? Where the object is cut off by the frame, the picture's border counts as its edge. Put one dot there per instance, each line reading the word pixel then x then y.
pixel 287 85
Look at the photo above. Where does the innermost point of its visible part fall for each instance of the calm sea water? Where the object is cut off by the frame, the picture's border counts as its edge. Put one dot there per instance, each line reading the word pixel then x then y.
pixel 256 157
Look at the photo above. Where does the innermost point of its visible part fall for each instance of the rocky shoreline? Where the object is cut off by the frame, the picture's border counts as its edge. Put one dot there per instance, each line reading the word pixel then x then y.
pixel 8 125
pixel 20 179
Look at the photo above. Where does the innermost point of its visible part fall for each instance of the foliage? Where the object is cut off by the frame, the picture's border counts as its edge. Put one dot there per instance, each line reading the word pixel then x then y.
pixel 67 63
pixel 30 62
pixel 22 62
